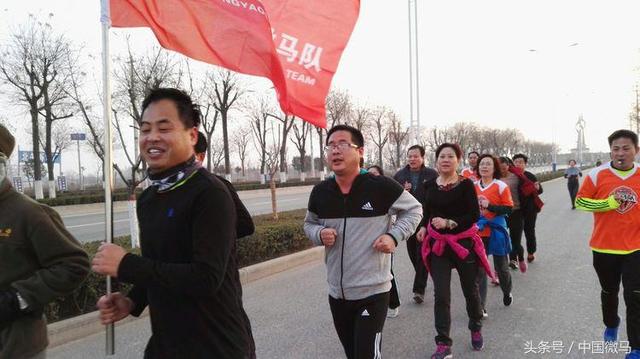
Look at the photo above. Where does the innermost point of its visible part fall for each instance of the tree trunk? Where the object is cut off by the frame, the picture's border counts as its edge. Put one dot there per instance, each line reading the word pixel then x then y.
pixel 49 158
pixel 209 152
pixel 321 143
pixel 225 140
pixel 274 207
pixel 37 164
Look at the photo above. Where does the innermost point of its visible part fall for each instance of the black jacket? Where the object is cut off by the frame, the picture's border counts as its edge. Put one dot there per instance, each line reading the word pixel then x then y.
pixel 426 174
pixel 188 272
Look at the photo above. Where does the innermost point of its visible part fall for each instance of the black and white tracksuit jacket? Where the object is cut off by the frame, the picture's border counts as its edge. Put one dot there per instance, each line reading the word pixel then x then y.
pixel 355 270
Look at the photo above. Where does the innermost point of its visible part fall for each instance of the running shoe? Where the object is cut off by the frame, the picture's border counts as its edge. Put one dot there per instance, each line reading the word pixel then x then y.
pixel 443 351
pixel 476 341
pixel 485 314
pixel 611 335
pixel 392 313
pixel 418 298
pixel 633 354
pixel 507 299
pixel 531 258
pixel 523 266
pixel 513 265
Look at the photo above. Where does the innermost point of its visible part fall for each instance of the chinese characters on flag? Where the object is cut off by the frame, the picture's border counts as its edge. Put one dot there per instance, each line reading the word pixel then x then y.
pixel 297 44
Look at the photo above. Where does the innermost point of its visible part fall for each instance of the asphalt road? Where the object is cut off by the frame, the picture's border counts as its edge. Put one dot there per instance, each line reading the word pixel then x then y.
pixel 86 222
pixel 557 300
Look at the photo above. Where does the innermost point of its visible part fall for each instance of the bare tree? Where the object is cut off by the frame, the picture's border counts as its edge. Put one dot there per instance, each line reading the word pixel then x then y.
pixel 273 155
pixel 360 118
pixel 217 154
pixel 26 70
pixel 259 115
pixel 398 139
pixel 227 89
pixel 241 141
pixel 301 132
pixel 380 132
pixel 286 123
pixel 338 107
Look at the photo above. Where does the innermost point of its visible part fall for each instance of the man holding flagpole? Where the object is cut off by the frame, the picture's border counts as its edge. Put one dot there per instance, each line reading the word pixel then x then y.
pixel 187 273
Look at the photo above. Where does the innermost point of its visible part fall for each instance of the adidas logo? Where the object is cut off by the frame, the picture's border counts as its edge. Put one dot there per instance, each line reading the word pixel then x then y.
pixel 365 313
pixel 367 207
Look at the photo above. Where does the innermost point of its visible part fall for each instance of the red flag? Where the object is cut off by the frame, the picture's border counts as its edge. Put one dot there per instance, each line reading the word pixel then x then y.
pixel 297 44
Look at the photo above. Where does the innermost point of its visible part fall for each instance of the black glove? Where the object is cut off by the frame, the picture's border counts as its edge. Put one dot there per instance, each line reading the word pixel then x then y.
pixel 9 306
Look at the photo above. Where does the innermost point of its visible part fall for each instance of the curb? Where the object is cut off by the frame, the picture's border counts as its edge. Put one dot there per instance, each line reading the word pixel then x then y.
pixel 88 324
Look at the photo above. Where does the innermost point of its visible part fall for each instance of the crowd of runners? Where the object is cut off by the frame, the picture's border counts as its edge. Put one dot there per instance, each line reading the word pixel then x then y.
pixel 187 274
pixel 468 214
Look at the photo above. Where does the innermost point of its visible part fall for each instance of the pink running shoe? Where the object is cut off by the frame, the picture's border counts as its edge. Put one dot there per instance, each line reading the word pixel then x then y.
pixel 523 266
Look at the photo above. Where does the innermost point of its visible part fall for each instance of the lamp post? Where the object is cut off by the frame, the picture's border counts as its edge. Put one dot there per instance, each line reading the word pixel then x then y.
pixel 554 155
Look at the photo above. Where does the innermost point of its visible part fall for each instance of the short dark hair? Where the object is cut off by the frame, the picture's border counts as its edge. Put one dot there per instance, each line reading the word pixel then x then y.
pixel 521 155
pixel 574 161
pixel 496 165
pixel 201 145
pixel 417 147
pixel 505 159
pixel 380 170
pixel 188 111
pixel 356 135
pixel 472 152
pixel 454 146
pixel 623 134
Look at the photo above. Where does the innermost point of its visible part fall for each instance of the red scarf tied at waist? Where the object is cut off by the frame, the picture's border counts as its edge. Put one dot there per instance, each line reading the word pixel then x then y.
pixel 527 187
pixel 441 240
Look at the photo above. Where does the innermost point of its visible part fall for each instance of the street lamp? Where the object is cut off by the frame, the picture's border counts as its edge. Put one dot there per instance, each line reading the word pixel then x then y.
pixel 554 163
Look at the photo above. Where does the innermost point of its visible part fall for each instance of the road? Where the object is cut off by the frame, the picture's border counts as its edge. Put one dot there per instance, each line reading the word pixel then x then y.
pixel 557 300
pixel 86 222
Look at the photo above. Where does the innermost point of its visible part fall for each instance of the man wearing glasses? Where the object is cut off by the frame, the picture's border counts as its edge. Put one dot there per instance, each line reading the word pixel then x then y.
pixel 350 215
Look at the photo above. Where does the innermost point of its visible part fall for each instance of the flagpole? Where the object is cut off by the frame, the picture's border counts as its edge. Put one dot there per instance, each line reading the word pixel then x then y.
pixel 411 118
pixel 105 19
pixel 417 58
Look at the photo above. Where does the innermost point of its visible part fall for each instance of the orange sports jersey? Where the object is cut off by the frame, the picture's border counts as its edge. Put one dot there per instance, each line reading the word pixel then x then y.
pixel 616 231
pixel 498 194
pixel 468 173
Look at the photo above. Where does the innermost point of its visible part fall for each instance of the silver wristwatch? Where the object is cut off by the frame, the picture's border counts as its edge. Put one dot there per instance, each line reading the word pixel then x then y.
pixel 23 303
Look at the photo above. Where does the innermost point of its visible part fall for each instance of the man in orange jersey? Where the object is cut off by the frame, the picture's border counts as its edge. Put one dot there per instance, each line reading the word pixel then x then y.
pixel 611 192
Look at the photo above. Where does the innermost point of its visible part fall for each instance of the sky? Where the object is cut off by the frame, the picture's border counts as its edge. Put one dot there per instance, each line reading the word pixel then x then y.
pixel 531 65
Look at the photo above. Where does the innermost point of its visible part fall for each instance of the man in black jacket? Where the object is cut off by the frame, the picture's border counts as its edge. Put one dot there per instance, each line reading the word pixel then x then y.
pixel 412 178
pixel 187 273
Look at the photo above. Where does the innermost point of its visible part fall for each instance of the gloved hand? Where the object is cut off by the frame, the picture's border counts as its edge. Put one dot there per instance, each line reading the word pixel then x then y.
pixel 9 306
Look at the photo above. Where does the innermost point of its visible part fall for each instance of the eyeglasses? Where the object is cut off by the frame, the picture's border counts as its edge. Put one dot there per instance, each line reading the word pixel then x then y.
pixel 342 146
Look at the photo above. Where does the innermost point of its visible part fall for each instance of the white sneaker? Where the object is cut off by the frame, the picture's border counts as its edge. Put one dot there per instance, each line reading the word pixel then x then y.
pixel 392 313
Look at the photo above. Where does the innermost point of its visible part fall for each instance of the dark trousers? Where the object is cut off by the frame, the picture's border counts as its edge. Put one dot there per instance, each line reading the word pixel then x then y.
pixel 394 297
pixel 613 269
pixel 515 223
pixel 529 219
pixel 573 191
pixel 359 324
pixel 501 265
pixel 467 268
pixel 414 249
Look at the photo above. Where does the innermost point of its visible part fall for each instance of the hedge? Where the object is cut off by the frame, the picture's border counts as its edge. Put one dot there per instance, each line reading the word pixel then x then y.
pixel 271 239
